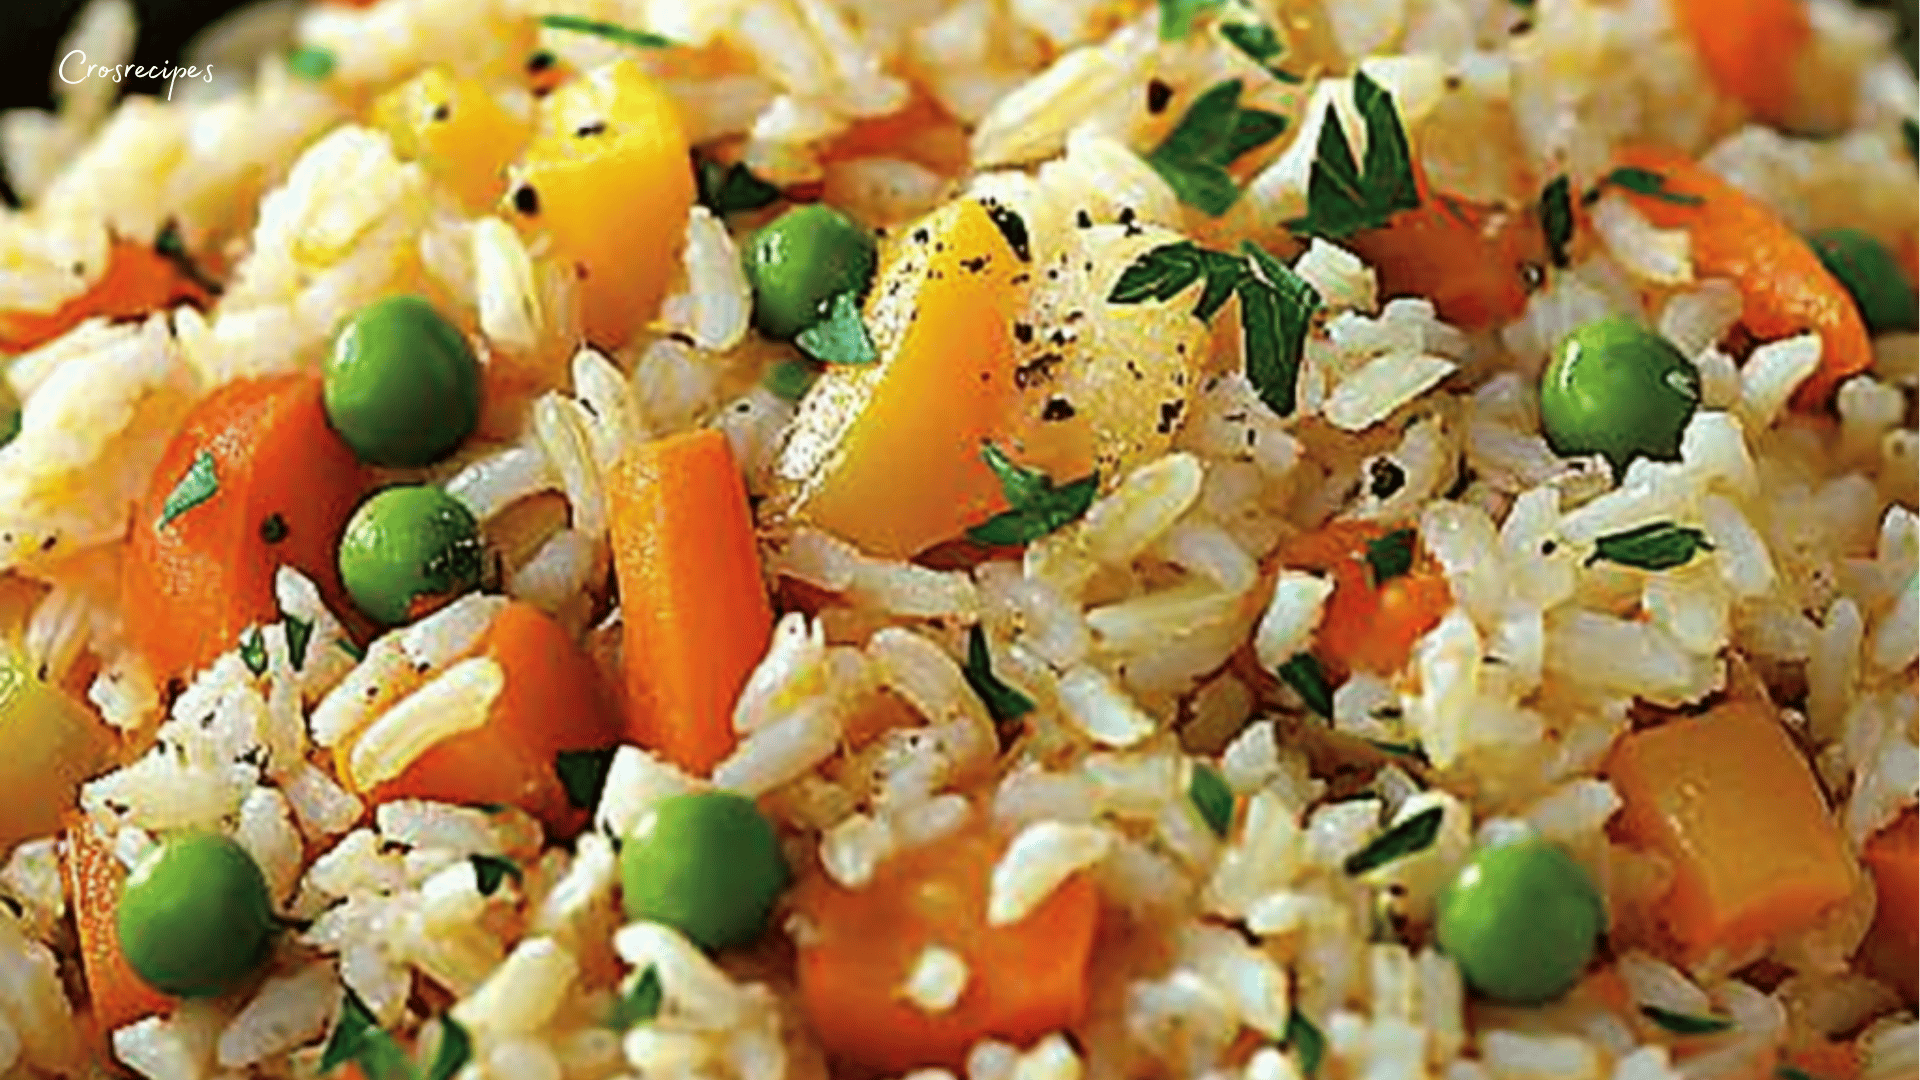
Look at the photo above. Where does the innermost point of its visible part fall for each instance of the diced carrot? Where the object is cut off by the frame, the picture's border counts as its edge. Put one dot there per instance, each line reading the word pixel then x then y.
pixel 692 600
pixel 1750 49
pixel 283 486
pixel 1892 948
pixel 1784 289
pixel 1825 1060
pixel 1472 261
pixel 551 702
pixel 1729 801
pixel 860 944
pixel 93 878
pixel 137 280
pixel 1367 625
pixel 921 131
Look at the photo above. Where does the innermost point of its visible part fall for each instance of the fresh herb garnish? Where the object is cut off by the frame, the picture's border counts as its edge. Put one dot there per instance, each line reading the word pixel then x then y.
pixel 1003 702
pixel 1164 272
pixel 196 486
pixel 1303 673
pixel 611 31
pixel 1309 1046
pixel 310 62
pixel 1177 16
pixel 727 189
pixel 1390 556
pixel 1212 797
pixel 1789 1072
pixel 583 773
pixel 1661 545
pixel 1398 749
pixel 1260 44
pixel 1341 200
pixel 1039 507
pixel 841 337
pixel 346 645
pixel 1276 313
pixel 1556 218
pixel 1684 1023
pixel 490 870
pixel 1415 834
pixel 1214 133
pixel 299 634
pixel 1641 182
pixel 273 530
pixel 1910 134
pixel 789 379
pixel 456 1049
pixel 253 651
pixel 358 1038
pixel 638 1005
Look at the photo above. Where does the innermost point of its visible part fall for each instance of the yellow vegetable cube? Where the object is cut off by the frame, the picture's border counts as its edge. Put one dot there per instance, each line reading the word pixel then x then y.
pixel 456 130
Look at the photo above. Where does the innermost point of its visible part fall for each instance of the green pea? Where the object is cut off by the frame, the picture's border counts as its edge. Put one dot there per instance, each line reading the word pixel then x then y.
pixel 800 261
pixel 1886 300
pixel 9 410
pixel 402 387
pixel 1522 920
pixel 1618 389
pixel 706 864
pixel 406 543
pixel 196 917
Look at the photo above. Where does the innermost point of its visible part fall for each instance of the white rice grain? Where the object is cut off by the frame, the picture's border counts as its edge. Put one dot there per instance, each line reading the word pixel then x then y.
pixel 458 700
pixel 936 980
pixel 1040 859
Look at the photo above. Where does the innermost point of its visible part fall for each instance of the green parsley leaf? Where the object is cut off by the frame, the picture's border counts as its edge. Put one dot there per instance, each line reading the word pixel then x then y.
pixel 1276 313
pixel 1556 218
pixel 299 635
pixel 358 1038
pixel 727 189
pixel 273 530
pixel 253 651
pixel 1212 797
pixel 1660 545
pixel 583 773
pixel 1303 673
pixel 1390 556
pixel 346 645
pixel 1166 271
pixel 1214 133
pixel 1642 182
pixel 1413 835
pixel 490 870
pixel 199 484
pixel 1341 200
pixel 1260 44
pixel 611 31
pixel 640 1004
pixel 1309 1046
pixel 1408 750
pixel 841 337
pixel 790 379
pixel 1910 134
pixel 456 1049
pixel 1788 1072
pixel 1682 1023
pixel 1038 506
pixel 310 62
pixel 1177 16
pixel 1003 702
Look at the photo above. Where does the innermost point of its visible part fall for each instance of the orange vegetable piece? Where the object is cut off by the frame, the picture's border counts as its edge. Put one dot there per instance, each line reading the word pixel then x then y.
pixel 1368 626
pixel 193 585
pixel 1023 980
pixel 1892 947
pixel 93 878
pixel 138 280
pixel 456 130
pixel 1784 289
pixel 1825 1060
pixel 1729 801
pixel 1750 49
pixel 551 702
pixel 692 599
pixel 1471 260
pixel 920 131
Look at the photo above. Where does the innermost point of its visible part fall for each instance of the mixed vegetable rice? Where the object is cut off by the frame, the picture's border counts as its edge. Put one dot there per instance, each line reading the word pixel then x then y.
pixel 1027 540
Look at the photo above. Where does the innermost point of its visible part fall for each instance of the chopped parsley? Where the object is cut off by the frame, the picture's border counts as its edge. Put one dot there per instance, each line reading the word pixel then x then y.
pixel 1641 182
pixel 1390 556
pixel 1003 702
pixel 273 530
pixel 253 651
pixel 1910 134
pixel 727 189
pixel 790 379
pixel 1257 41
pixel 1303 673
pixel 841 337
pixel 1214 133
pixel 1684 1023
pixel 1164 272
pixel 197 485
pixel 1039 506
pixel 490 870
pixel 359 1039
pixel 639 39
pixel 1789 1072
pixel 1212 797
pixel 347 645
pixel 1661 545
pixel 310 62
pixel 299 635
pixel 1177 16
pixel 1308 1045
pixel 638 1005
pixel 583 773
pixel 1556 218
pixel 1342 200
pixel 1409 837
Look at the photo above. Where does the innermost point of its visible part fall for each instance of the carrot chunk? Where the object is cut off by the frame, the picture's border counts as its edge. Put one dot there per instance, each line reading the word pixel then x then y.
pixel 1474 262
pixel 138 280
pixel 93 879
pixel 1893 944
pixel 1367 624
pixel 1749 49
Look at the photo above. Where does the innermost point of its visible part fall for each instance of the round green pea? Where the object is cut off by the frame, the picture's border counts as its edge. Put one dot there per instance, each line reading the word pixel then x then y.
pixel 1618 389
pixel 196 917
pixel 1521 919
pixel 707 864
pixel 402 387
pixel 405 543
pixel 1880 289
pixel 798 262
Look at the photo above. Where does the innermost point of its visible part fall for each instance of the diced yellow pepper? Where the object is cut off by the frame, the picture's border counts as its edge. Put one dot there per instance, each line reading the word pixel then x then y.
pixel 456 130
pixel 608 180
pixel 52 744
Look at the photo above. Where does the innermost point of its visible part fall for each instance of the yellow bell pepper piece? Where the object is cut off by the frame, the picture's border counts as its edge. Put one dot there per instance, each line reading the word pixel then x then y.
pixel 456 130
